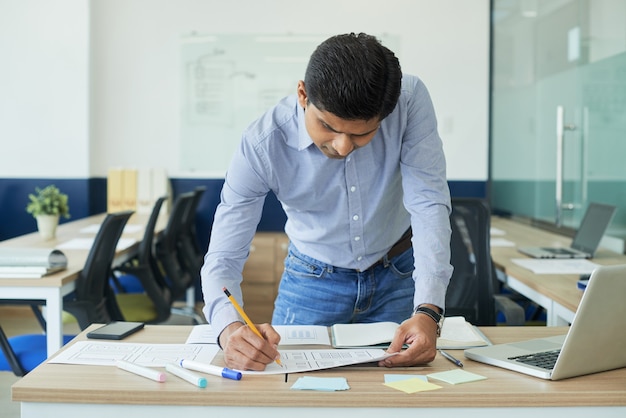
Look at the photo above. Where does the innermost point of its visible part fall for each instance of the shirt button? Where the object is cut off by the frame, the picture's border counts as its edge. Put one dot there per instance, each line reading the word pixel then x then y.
pixel 357 238
pixel 355 217
pixel 359 258
pixel 352 189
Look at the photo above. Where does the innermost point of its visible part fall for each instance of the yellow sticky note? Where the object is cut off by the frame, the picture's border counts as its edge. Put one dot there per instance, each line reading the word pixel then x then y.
pixel 412 385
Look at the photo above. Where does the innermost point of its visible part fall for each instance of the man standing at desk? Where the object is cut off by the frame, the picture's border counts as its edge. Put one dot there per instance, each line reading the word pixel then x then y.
pixel 356 161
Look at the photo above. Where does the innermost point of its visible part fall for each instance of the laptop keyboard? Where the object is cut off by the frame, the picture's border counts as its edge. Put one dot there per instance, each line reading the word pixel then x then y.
pixel 545 360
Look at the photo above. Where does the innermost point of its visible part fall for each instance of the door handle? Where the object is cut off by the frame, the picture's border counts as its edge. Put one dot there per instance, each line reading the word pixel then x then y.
pixel 561 127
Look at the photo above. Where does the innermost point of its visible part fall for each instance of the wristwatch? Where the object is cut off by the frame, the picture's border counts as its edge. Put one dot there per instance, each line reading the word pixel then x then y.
pixel 436 316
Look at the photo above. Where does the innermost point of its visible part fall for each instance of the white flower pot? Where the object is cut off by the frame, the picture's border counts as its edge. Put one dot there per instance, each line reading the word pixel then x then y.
pixel 47 226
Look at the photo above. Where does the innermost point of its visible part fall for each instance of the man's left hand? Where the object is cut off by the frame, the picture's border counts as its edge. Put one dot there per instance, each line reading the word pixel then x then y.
pixel 420 333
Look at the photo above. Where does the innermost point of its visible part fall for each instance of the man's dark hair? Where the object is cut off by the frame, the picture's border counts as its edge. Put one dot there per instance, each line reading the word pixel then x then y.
pixel 354 77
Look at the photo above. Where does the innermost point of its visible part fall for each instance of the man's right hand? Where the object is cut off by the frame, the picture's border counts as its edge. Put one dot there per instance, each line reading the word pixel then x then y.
pixel 244 350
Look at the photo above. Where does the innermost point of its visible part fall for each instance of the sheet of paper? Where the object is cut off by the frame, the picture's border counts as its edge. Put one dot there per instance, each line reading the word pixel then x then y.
pixel 295 361
pixel 496 231
pixel 455 377
pixel 501 242
pixel 202 334
pixel 106 353
pixel 87 243
pixel 303 334
pixel 289 335
pixel 128 229
pixel 569 266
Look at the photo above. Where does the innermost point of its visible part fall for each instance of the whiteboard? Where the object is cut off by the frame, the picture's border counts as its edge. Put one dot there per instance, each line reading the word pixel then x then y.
pixel 229 80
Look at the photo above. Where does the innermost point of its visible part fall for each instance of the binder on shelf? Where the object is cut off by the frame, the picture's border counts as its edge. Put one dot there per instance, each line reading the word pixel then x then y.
pixel 129 189
pixel 145 200
pixel 114 190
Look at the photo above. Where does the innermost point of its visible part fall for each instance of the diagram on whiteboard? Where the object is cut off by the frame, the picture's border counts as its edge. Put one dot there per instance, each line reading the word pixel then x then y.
pixel 228 81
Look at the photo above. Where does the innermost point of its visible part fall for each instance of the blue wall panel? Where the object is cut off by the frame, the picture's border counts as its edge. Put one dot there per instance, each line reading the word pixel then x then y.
pixel 88 197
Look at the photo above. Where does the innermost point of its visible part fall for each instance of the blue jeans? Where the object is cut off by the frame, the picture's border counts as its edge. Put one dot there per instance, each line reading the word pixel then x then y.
pixel 315 293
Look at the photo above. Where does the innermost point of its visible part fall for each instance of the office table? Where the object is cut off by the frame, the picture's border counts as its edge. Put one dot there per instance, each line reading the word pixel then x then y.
pixel 557 293
pixel 54 287
pixel 73 391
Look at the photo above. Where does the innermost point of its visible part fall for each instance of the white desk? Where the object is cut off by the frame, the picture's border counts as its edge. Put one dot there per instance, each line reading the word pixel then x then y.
pixel 556 293
pixel 54 287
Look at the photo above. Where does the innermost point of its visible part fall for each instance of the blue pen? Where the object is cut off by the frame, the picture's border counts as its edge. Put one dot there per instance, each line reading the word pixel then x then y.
pixel 451 358
pixel 210 369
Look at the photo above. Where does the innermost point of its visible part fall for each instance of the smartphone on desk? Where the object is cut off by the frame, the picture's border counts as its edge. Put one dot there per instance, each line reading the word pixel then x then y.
pixel 115 330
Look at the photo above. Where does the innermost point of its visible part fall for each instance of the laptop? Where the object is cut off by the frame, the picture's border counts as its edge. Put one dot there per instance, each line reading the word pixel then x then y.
pixel 595 341
pixel 587 239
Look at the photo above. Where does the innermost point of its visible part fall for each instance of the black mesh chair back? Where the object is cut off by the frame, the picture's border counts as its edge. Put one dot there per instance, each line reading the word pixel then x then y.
pixel 90 302
pixel 168 248
pixel 471 289
pixel 191 255
pixel 146 269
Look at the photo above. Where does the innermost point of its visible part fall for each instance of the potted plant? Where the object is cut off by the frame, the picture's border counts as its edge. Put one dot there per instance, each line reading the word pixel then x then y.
pixel 47 205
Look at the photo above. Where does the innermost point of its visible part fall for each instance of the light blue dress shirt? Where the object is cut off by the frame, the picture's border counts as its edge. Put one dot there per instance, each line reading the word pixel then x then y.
pixel 347 213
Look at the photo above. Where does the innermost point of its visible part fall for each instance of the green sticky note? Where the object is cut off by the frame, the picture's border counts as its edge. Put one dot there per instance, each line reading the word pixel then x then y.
pixel 325 384
pixel 412 385
pixel 454 377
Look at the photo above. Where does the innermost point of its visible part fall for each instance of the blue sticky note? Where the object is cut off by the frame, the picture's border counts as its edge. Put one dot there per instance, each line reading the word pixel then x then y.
pixel 325 384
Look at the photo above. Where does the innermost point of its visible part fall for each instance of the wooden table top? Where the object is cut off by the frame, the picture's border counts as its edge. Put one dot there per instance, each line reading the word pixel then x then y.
pixel 103 385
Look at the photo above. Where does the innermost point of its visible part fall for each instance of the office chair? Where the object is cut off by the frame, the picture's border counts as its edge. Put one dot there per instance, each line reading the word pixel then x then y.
pixel 142 292
pixel 93 301
pixel 191 254
pixel 22 353
pixel 471 290
pixel 88 303
pixel 169 255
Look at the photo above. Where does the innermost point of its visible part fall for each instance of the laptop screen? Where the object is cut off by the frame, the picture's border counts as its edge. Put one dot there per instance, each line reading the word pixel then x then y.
pixel 592 227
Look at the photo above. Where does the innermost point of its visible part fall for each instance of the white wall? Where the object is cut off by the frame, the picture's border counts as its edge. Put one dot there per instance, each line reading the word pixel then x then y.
pixel 44 124
pixel 135 56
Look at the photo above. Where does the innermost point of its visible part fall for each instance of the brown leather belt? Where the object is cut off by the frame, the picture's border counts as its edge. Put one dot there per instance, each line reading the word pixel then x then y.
pixel 403 244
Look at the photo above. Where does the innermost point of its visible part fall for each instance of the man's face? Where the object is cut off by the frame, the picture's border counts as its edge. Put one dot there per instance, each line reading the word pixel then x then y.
pixel 334 136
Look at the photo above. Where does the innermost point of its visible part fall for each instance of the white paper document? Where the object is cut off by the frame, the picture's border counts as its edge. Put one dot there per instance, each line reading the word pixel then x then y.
pixel 106 353
pixel 87 243
pixel 501 242
pixel 289 335
pixel 556 266
pixel 295 361
pixel 202 334
pixel 128 229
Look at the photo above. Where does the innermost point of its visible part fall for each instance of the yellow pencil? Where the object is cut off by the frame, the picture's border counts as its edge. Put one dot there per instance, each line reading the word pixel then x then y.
pixel 245 317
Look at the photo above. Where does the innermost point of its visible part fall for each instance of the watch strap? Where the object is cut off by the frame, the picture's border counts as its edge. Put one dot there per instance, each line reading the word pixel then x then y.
pixel 435 316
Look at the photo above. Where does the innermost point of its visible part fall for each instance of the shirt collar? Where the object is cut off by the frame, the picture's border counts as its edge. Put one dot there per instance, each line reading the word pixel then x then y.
pixel 304 140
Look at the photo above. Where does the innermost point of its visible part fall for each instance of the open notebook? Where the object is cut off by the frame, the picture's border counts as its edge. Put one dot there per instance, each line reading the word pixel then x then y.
pixel 587 239
pixel 595 341
pixel 456 333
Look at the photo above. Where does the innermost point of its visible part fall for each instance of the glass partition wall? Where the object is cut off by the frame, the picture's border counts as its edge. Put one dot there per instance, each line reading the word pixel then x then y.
pixel 558 109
